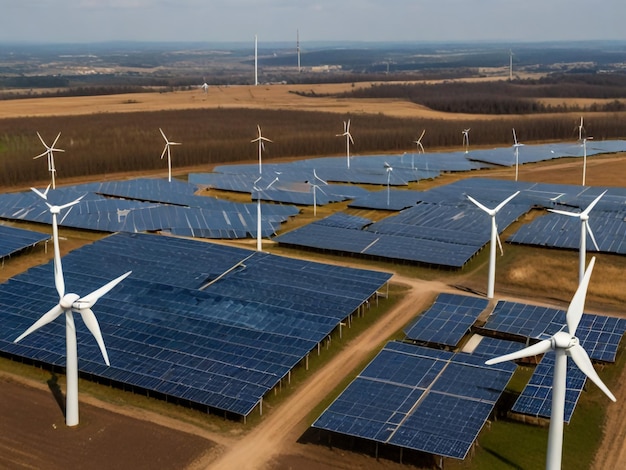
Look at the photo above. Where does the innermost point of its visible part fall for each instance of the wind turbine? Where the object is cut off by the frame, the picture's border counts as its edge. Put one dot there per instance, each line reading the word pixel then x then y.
pixel 465 133
pixel 418 142
pixel 205 87
pixel 585 139
pixel 298 48
pixel 516 146
pixel 581 129
pixel 584 229
pixel 256 60
pixel 388 169
pixel 564 344
pixel 510 65
pixel 168 144
pixel 50 154
pixel 315 188
pixel 259 246
pixel 494 237
pixel 69 303
pixel 346 133
pixel 260 139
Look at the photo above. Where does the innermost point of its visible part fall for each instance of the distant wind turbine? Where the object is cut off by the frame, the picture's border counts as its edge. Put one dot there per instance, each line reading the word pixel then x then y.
pixel 298 48
pixel 256 60
pixel 49 152
pixel 465 133
pixel 166 149
pixel 581 129
pixel 420 147
pixel 585 139
pixel 261 143
pixel 348 136
pixel 495 238
pixel 564 343
pixel 205 87
pixel 315 188
pixel 516 146
pixel 69 303
pixel 510 65
pixel 584 230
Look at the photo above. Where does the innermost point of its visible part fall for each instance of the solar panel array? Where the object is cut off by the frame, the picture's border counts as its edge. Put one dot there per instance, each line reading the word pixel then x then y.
pixel 144 205
pixel 419 398
pixel 447 320
pixel 438 234
pixel 536 398
pixel 215 325
pixel 14 239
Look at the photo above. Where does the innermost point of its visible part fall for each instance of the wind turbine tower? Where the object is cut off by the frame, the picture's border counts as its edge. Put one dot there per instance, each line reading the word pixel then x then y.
pixel 495 238
pixel 510 65
pixel 348 136
pixel 465 133
pixel 166 149
pixel 298 48
pixel 256 60
pixel 516 146
pixel 565 344
pixel 49 152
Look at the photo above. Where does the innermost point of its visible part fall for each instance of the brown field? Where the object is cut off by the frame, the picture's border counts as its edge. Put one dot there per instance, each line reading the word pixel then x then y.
pixel 123 435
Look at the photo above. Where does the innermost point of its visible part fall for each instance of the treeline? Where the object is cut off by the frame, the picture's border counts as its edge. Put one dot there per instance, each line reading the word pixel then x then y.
pixel 503 97
pixel 102 144
pixel 76 91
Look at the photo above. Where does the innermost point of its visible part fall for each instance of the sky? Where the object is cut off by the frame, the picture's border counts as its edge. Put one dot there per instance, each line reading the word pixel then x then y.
pixel 86 21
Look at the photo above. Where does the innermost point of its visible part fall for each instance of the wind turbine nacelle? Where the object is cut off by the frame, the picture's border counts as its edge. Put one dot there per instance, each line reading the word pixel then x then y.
pixel 68 301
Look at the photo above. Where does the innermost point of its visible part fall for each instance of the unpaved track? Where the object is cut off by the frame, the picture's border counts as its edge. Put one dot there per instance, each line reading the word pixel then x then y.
pixel 287 423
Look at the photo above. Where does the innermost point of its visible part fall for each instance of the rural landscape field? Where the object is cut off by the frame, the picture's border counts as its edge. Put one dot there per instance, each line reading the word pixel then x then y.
pixel 115 136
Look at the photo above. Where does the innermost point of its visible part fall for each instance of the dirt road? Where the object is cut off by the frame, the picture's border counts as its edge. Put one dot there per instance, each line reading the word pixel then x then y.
pixel 286 424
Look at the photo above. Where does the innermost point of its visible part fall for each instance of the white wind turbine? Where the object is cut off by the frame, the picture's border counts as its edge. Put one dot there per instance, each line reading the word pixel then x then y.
pixel 581 129
pixel 495 238
pixel 50 154
pixel 348 136
pixel 69 303
pixel 584 230
pixel 419 145
pixel 564 344
pixel 585 139
pixel 256 60
pixel 166 149
pixel 465 133
pixel 259 244
pixel 516 146
pixel 388 169
pixel 261 142
pixel 315 188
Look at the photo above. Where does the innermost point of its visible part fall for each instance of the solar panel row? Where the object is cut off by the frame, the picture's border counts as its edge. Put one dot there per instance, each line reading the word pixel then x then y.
pixel 418 398
pixel 14 239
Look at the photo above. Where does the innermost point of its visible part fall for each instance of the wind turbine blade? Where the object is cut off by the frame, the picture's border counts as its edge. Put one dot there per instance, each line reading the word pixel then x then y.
pixel 539 348
pixel 503 203
pixel 70 204
pixel 499 242
pixel 43 195
pixel 55 141
pixel 593 239
pixel 165 150
pixel 163 134
pixel 581 359
pixel 421 135
pixel 42 141
pixel 577 305
pixel 350 137
pixel 569 214
pixel 90 299
pixel 348 126
pixel 91 322
pixel 41 155
pixel 480 206
pixel 49 316
pixel 514 137
pixel 593 203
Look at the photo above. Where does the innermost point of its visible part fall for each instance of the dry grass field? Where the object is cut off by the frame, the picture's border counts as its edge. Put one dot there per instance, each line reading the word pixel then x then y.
pixel 32 433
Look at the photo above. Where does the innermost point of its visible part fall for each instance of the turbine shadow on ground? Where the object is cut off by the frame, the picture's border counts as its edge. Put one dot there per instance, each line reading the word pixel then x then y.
pixel 53 385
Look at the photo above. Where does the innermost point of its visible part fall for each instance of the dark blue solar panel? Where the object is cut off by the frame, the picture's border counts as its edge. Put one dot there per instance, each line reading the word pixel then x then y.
pixel 536 398
pixel 419 398
pixel 447 320
pixel 492 347
pixel 14 239
pixel 221 348
pixel 520 319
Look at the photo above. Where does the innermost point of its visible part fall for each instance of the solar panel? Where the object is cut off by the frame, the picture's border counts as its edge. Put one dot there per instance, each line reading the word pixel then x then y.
pixel 536 398
pixel 447 320
pixel 14 239
pixel 216 325
pixel 418 398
